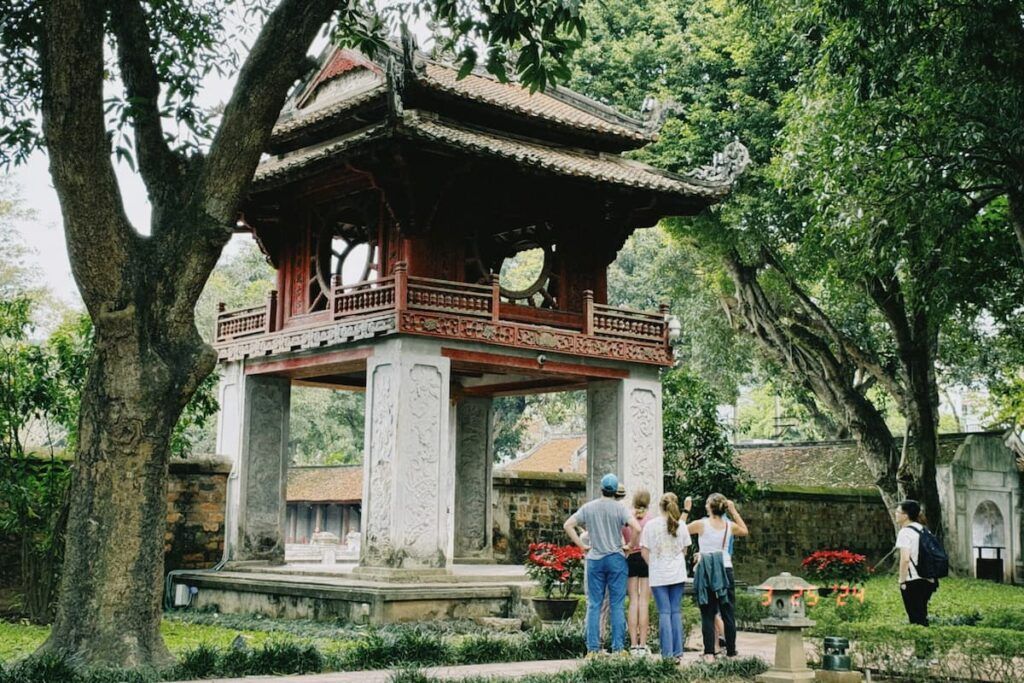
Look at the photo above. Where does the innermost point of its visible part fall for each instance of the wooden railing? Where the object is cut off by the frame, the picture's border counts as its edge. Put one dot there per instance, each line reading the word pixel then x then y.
pixel 401 292
pixel 362 298
pixel 609 321
pixel 247 322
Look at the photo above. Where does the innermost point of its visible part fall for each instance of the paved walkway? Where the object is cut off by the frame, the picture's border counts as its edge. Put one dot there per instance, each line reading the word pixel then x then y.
pixel 749 645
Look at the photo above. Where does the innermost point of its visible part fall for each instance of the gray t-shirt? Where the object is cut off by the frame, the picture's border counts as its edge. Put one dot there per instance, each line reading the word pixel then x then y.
pixel 603 519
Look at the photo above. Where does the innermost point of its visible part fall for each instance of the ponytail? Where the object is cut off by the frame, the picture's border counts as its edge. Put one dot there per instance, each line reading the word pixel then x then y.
pixel 670 505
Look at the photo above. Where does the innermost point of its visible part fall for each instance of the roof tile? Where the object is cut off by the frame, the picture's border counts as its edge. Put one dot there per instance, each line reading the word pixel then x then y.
pixel 331 484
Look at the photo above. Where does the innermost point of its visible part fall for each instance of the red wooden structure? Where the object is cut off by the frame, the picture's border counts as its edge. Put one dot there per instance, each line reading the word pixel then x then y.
pixel 394 193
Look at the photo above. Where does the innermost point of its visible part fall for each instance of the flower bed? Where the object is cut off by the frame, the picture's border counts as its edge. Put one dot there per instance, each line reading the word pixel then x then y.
pixel 557 568
pixel 833 568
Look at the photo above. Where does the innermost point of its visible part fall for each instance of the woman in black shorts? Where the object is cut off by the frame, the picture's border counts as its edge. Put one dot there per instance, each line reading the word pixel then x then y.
pixel 639 590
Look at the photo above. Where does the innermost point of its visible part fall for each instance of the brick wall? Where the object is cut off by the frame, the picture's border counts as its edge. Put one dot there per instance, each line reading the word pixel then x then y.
pixel 531 507
pixel 196 495
pixel 787 524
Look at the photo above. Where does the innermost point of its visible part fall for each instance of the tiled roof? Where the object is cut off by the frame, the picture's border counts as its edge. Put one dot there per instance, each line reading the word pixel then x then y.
pixel 822 463
pixel 556 104
pixel 340 484
pixel 566 161
pixel 827 463
pixel 554 455
pixel 610 168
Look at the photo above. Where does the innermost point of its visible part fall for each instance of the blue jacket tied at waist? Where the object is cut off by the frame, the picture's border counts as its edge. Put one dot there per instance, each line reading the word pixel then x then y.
pixel 709 578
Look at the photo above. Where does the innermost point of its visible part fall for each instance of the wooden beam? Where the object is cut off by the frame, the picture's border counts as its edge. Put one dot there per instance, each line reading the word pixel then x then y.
pixel 521 388
pixel 334 363
pixel 502 364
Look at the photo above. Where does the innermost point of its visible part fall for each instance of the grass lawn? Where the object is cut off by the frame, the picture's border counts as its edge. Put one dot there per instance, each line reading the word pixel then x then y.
pixel 20 639
pixel 957 600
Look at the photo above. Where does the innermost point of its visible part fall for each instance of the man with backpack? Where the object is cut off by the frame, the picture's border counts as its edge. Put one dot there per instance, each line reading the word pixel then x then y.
pixel 923 561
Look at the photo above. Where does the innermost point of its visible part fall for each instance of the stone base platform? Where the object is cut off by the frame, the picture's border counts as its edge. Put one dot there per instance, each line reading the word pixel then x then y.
pixel 338 592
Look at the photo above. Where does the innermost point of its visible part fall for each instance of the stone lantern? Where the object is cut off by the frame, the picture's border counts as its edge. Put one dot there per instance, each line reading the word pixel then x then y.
pixel 787 613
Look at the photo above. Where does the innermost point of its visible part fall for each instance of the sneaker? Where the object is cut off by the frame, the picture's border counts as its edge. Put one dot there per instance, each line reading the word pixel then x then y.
pixel 621 654
pixel 642 651
pixel 634 651
pixel 593 654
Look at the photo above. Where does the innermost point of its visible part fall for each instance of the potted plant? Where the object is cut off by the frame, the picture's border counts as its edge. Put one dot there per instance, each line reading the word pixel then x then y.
pixel 559 571
pixel 832 569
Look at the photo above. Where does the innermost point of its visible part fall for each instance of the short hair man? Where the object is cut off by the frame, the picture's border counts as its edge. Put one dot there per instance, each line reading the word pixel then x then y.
pixel 603 519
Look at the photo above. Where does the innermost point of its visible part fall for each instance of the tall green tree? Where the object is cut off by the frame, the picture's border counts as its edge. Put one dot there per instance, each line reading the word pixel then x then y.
pixel 844 274
pixel 123 76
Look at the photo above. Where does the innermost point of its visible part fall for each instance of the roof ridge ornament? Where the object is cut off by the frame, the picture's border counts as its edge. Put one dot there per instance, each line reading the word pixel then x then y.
pixel 725 167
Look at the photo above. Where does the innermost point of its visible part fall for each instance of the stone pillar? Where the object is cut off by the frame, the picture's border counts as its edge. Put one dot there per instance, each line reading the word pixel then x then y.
pixel 624 434
pixel 253 432
pixel 229 443
pixel 474 454
pixel 263 469
pixel 408 463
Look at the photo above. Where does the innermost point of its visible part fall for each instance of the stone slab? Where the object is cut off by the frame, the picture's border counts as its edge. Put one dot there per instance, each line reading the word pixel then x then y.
pixel 349 597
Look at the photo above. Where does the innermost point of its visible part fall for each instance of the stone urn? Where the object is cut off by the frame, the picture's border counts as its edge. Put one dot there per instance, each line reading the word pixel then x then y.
pixel 554 609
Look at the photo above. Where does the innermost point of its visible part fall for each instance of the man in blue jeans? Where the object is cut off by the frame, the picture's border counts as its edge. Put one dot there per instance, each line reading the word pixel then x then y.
pixel 606 562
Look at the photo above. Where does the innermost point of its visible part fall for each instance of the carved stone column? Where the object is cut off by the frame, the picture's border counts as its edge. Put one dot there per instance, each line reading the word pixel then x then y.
pixel 408 463
pixel 624 434
pixel 474 454
pixel 261 435
pixel 229 443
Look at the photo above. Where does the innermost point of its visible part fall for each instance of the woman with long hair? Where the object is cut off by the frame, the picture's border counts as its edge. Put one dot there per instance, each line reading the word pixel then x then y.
pixel 714 581
pixel 638 588
pixel 663 545
pixel 915 589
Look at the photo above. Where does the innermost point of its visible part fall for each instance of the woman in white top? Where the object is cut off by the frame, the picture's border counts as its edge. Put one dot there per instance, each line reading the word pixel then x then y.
pixel 663 545
pixel 713 535
pixel 916 591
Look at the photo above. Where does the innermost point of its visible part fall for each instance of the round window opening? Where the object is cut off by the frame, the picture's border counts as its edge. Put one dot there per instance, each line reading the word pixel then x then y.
pixel 524 276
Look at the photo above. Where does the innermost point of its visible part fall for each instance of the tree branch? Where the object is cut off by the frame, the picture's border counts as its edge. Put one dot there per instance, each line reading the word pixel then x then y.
pixel 272 66
pixel 859 355
pixel 157 163
pixel 100 239
pixel 1016 200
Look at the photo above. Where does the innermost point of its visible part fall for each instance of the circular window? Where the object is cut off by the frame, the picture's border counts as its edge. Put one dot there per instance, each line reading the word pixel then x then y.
pixel 520 273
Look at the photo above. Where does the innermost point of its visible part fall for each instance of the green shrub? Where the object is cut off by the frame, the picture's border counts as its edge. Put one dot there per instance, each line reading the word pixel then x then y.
pixel 234 663
pixel 45 668
pixel 1007 618
pixel 487 648
pixel 412 646
pixel 616 670
pixel 285 657
pixel 563 642
pixel 200 662
pixel 410 676
pixel 749 610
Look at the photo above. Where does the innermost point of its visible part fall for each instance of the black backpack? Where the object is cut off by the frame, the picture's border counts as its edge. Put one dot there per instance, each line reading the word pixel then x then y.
pixel 932 560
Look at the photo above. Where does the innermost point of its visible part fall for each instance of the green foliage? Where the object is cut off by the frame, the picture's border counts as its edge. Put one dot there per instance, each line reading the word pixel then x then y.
pixel 563 642
pixel 486 647
pixel 699 460
pixel 507 426
pixel 326 427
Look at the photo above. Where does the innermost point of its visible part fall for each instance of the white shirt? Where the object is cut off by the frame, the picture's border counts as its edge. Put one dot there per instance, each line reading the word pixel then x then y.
pixel 667 558
pixel 911 540
pixel 711 540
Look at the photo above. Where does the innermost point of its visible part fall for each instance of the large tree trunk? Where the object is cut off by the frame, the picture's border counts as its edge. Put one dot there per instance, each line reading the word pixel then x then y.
pixel 113 567
pixel 141 293
pixel 812 364
pixel 918 469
